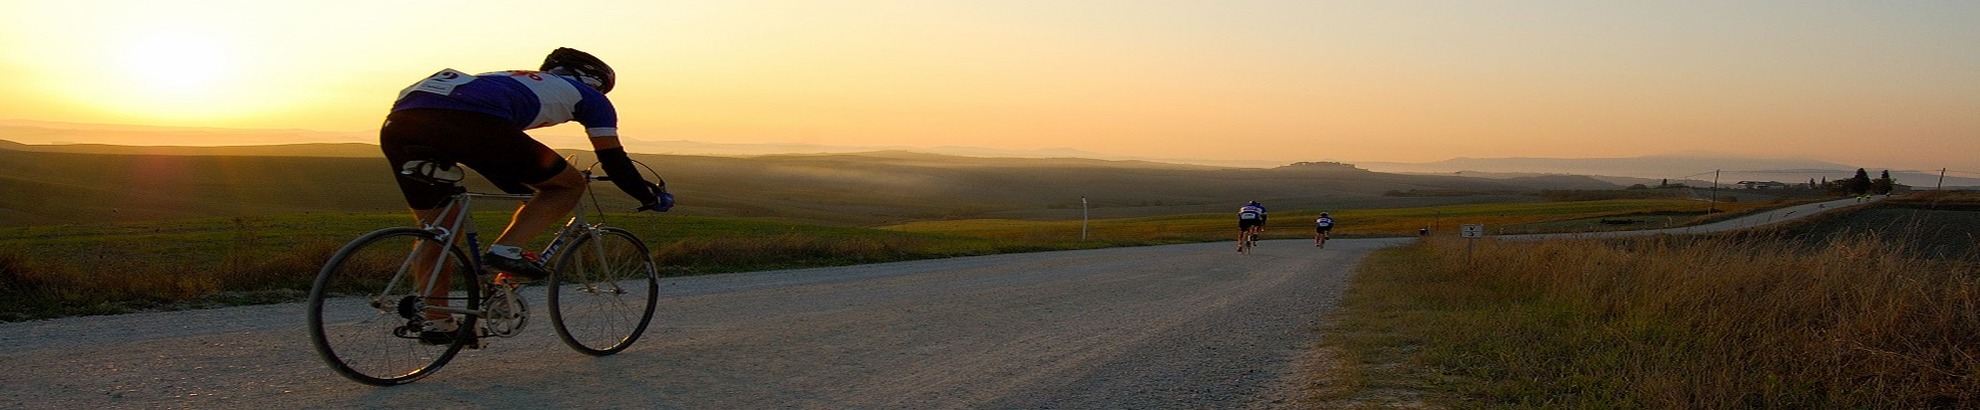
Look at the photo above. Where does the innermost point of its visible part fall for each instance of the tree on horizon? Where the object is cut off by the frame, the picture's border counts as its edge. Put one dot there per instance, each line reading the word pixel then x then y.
pixel 1860 184
pixel 1883 185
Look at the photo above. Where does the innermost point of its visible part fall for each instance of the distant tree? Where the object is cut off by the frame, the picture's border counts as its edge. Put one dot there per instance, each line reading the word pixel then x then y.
pixel 1860 184
pixel 1811 184
pixel 1666 183
pixel 1883 184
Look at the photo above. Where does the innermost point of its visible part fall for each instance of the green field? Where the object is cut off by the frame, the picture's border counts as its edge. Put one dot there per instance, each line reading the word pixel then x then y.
pixel 1500 218
pixel 48 271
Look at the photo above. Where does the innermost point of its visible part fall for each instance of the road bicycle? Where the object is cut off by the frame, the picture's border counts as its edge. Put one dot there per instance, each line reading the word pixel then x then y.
pixel 372 299
pixel 1248 240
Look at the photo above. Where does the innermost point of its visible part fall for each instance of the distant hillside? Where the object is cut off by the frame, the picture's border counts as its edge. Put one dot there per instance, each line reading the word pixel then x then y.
pixel 343 150
pixel 60 133
pixel 1697 170
pixel 49 136
pixel 862 188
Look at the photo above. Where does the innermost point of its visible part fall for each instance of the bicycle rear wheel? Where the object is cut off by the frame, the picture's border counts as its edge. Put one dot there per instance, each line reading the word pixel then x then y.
pixel 603 292
pixel 365 308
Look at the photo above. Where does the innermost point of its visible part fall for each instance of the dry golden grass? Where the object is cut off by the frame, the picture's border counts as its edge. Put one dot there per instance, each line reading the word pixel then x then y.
pixel 1667 322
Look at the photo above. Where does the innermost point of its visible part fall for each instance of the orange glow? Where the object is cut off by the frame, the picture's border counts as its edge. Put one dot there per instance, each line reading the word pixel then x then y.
pixel 1269 80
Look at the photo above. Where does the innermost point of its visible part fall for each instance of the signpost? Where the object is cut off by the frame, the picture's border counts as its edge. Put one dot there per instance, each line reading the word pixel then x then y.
pixel 1471 230
pixel 1471 233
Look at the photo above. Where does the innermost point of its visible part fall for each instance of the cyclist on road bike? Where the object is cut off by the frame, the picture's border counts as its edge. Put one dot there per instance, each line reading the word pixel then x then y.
pixel 478 121
pixel 1251 221
pixel 1320 228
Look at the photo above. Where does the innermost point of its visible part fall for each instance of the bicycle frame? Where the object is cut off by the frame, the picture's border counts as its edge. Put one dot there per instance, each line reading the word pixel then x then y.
pixel 459 224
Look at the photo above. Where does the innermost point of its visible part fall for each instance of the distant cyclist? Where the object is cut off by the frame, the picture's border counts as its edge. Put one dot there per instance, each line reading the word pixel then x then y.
pixel 1320 228
pixel 1251 221
pixel 478 120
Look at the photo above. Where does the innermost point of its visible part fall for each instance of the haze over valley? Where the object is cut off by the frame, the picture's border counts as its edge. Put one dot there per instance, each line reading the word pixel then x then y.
pixel 1691 166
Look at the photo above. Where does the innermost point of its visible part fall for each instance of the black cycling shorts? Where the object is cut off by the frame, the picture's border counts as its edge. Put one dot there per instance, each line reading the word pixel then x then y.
pixel 492 146
pixel 1246 224
pixel 1322 229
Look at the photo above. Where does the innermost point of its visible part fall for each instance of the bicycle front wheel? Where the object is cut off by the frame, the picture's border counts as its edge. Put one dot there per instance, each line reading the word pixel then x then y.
pixel 367 306
pixel 603 291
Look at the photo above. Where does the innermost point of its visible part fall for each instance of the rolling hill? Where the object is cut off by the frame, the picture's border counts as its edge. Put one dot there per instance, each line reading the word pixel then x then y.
pixel 1692 169
pixel 79 184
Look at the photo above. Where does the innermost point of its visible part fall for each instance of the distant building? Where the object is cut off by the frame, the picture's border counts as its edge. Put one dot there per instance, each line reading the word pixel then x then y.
pixel 1761 185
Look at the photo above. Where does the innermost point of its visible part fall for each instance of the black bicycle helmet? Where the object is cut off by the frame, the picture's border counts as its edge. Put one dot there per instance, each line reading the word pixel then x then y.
pixel 588 69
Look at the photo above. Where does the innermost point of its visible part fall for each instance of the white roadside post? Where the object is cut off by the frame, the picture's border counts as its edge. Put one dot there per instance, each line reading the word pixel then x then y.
pixel 1082 219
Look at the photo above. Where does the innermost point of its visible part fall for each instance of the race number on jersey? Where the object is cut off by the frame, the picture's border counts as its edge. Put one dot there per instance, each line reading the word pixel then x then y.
pixel 442 83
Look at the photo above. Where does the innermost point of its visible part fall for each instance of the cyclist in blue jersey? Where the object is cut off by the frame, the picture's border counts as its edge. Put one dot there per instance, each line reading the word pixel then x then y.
pixel 1251 221
pixel 1321 228
pixel 478 121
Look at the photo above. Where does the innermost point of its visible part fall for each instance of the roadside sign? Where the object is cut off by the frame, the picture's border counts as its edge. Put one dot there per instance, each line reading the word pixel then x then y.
pixel 1471 230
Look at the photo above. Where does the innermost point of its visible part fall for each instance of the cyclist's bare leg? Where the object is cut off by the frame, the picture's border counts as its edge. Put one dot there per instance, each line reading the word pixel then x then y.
pixel 423 263
pixel 553 202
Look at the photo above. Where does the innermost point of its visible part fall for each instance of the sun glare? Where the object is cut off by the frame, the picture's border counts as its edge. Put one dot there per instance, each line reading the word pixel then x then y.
pixel 172 75
pixel 177 66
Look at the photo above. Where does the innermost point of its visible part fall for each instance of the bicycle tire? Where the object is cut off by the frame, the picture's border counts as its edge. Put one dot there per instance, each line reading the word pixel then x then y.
pixel 602 292
pixel 356 308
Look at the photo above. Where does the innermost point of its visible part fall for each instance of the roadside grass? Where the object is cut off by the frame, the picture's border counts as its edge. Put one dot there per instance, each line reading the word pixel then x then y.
pixel 1500 218
pixel 698 245
pixel 1659 322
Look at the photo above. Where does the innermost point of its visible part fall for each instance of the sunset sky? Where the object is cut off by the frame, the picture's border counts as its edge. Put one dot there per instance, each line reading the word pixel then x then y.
pixel 1872 83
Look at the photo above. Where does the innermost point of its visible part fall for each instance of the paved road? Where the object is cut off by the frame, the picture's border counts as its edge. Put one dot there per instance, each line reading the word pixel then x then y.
pixel 1182 326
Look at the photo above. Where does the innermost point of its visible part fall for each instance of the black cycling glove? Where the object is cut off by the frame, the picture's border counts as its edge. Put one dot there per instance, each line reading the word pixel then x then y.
pixel 620 167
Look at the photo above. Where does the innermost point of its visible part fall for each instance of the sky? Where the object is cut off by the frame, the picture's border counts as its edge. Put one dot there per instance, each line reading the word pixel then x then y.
pixel 1891 84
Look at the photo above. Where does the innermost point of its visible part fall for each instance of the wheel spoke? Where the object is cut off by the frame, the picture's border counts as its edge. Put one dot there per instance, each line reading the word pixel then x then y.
pixel 357 323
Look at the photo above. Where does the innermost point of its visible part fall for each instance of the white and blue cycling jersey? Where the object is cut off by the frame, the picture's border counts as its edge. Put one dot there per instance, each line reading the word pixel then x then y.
pixel 529 99
pixel 1250 212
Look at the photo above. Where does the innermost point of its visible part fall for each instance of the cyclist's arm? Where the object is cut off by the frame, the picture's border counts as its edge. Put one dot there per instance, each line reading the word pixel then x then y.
pixel 604 142
pixel 612 157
